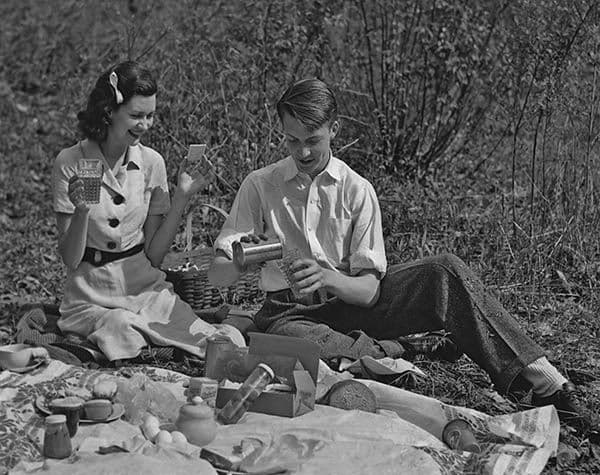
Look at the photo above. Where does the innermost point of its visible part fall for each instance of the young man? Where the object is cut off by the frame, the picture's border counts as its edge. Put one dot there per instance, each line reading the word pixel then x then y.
pixel 351 304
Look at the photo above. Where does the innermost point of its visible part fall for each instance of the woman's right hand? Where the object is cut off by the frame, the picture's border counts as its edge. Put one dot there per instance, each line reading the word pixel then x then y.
pixel 75 191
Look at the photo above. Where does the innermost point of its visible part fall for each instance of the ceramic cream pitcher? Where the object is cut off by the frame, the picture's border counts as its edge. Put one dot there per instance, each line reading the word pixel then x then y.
pixel 197 422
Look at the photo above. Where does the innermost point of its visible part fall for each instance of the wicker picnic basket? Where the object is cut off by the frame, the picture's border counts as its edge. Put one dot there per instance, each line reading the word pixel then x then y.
pixel 187 271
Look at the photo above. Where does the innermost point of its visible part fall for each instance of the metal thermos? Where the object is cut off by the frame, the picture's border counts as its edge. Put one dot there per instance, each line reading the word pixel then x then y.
pixel 248 253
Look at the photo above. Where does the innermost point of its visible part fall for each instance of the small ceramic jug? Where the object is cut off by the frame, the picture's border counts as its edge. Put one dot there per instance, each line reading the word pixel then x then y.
pixel 197 422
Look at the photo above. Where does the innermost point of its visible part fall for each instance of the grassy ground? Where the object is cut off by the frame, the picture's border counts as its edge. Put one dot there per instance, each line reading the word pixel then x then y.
pixel 546 273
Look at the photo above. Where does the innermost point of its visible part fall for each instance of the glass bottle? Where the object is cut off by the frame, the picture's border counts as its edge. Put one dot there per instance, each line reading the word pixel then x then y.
pixel 248 392
pixel 57 443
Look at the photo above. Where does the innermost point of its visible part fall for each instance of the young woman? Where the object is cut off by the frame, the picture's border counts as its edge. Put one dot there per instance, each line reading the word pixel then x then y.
pixel 115 294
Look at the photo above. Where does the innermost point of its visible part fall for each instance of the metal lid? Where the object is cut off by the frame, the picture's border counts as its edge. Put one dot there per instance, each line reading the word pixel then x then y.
pixel 199 410
pixel 267 368
pixel 56 419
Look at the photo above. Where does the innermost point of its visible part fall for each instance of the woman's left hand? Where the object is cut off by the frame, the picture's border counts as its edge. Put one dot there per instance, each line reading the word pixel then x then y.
pixel 191 180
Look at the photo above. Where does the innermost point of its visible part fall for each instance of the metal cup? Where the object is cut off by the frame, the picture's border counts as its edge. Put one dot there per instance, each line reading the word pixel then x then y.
pixel 248 253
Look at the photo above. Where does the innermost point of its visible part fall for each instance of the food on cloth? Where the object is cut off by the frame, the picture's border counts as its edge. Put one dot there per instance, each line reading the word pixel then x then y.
pixel 79 392
pixel 350 394
pixel 69 401
pixel 150 427
pixel 104 389
pixel 179 438
pixel 163 437
pixel 97 409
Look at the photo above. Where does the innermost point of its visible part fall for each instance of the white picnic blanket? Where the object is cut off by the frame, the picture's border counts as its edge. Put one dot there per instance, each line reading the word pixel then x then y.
pixel 402 438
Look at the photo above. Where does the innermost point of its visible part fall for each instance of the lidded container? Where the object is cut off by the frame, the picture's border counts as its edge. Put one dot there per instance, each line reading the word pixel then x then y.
pixel 248 392
pixel 57 443
pixel 197 422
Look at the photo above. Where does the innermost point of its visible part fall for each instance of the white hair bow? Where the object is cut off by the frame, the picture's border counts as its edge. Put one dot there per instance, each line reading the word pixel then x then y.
pixel 114 81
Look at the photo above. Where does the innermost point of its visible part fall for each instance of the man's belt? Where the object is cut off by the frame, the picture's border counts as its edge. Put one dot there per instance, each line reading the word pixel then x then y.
pixel 98 258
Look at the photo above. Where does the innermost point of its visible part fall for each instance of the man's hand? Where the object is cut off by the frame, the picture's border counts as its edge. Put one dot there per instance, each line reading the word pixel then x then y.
pixel 254 238
pixel 308 275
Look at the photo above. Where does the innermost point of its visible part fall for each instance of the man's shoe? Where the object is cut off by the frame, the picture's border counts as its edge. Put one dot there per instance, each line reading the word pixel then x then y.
pixel 570 410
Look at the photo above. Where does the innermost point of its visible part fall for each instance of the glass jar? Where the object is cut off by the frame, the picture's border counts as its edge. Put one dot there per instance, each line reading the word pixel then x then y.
pixel 243 398
pixel 57 443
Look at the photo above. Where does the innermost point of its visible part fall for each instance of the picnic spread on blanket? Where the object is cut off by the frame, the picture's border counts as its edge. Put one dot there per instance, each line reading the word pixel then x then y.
pixel 271 407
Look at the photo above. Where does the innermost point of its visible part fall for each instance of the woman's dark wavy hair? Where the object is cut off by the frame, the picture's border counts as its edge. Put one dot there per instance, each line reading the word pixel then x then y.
pixel 133 80
pixel 310 101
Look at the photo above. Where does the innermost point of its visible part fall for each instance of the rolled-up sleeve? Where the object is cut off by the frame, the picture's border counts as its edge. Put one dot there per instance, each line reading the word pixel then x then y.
pixel 159 198
pixel 62 171
pixel 367 247
pixel 245 217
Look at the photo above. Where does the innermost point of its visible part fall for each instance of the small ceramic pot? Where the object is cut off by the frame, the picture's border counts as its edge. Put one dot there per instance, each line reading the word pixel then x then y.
pixel 197 423
pixel 97 409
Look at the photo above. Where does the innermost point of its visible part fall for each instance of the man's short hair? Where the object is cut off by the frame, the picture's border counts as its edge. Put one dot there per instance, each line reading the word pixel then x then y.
pixel 309 101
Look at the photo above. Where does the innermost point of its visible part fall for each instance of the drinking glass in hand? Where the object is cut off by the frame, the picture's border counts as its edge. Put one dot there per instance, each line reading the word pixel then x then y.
pixel 90 172
pixel 285 266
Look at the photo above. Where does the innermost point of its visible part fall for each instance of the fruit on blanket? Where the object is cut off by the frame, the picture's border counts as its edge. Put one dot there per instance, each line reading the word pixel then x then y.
pixel 104 389
pixel 150 420
pixel 350 394
pixel 79 391
pixel 178 438
pixel 150 427
pixel 98 409
pixel 163 437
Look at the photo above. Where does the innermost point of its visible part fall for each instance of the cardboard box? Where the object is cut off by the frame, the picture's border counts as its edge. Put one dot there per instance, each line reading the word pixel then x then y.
pixel 295 360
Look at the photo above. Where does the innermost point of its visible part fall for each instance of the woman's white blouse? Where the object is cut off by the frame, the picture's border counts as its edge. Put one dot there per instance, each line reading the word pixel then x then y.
pixel 138 189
